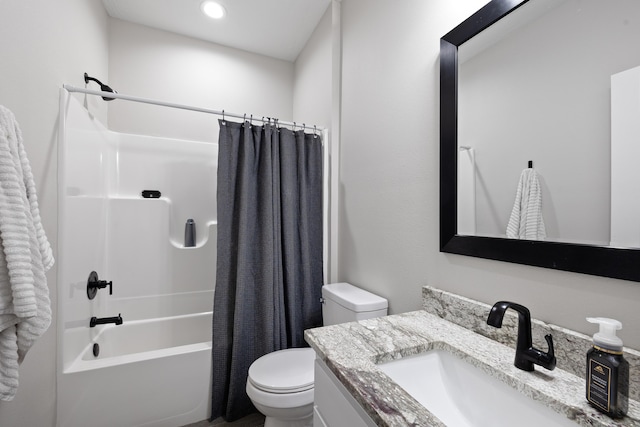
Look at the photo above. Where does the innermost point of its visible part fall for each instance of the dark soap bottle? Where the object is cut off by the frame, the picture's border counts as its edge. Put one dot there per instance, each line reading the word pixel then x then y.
pixel 607 370
pixel 190 233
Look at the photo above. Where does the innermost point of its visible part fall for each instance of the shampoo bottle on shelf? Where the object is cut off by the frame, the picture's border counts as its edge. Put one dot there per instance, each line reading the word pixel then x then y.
pixel 190 233
pixel 607 370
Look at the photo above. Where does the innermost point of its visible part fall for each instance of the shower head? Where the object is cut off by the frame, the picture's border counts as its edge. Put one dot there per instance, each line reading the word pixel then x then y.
pixel 103 87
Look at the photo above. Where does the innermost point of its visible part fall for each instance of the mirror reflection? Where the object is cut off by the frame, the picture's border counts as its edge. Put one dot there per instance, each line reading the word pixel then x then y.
pixel 546 85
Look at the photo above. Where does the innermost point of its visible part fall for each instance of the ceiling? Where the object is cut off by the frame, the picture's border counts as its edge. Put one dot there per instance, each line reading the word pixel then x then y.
pixel 275 28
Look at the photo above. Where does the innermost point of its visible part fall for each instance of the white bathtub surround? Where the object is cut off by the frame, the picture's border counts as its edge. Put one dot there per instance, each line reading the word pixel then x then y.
pixel 25 312
pixel 154 369
pixel 352 351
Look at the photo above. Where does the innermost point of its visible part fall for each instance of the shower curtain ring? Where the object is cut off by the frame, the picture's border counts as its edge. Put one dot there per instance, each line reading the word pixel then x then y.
pixel 294 126
pixel 244 118
pixel 315 135
pixel 222 116
pixel 251 120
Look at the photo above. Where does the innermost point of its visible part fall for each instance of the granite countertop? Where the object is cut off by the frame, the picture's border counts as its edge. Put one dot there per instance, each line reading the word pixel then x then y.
pixel 352 351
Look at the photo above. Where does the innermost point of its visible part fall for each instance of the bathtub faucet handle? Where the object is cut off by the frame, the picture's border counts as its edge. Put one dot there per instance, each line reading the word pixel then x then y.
pixel 103 284
pixel 93 284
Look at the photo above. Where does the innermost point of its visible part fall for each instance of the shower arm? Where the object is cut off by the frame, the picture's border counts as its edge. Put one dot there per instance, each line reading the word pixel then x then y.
pixel 103 87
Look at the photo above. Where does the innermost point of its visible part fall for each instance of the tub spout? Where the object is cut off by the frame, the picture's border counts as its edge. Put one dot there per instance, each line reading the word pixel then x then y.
pixel 104 320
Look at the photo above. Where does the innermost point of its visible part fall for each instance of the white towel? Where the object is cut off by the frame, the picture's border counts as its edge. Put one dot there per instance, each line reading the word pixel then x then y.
pixel 25 309
pixel 526 220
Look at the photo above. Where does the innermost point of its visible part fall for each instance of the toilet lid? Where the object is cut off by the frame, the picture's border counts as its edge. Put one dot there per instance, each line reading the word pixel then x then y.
pixel 284 371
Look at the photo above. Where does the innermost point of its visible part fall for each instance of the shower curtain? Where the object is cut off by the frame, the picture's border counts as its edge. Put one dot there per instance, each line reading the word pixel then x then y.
pixel 269 262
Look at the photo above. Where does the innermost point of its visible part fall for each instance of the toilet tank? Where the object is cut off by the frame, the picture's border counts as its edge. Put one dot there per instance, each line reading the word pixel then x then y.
pixel 343 302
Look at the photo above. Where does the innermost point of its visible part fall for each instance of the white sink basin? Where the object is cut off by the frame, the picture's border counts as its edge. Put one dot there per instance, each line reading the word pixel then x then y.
pixel 461 395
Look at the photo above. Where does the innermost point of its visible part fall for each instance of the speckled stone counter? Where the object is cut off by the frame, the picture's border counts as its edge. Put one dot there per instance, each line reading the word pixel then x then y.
pixel 352 351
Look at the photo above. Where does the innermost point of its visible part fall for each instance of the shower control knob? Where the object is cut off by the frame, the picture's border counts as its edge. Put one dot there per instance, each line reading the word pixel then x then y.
pixel 93 284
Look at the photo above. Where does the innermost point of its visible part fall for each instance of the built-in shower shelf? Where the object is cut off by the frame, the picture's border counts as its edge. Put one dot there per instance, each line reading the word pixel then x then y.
pixel 210 238
pixel 154 220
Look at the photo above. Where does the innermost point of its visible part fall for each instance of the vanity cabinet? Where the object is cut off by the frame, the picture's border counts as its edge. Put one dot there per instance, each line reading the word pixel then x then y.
pixel 333 404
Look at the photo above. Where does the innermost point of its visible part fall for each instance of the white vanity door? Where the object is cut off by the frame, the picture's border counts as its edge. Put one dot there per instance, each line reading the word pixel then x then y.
pixel 333 404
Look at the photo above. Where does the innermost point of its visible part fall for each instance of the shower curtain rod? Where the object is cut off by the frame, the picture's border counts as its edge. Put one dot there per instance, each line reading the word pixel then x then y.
pixel 183 107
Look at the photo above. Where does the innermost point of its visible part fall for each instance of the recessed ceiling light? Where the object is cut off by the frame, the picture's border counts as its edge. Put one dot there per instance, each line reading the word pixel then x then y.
pixel 213 10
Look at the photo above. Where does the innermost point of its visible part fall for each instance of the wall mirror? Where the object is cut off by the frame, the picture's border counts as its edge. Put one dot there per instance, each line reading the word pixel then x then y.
pixel 557 83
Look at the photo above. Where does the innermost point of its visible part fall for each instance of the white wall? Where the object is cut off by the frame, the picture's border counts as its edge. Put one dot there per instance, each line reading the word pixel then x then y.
pixel 389 229
pixel 312 77
pixel 313 99
pixel 389 155
pixel 165 66
pixel 44 44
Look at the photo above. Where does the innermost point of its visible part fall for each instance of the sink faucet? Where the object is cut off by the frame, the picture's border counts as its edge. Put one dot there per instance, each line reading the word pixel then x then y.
pixel 526 355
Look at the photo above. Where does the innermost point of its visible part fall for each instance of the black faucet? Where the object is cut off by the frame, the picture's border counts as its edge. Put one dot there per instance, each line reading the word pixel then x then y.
pixel 93 284
pixel 103 320
pixel 526 355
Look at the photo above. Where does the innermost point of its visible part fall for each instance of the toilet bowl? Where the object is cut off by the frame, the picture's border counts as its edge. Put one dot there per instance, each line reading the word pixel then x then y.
pixel 280 384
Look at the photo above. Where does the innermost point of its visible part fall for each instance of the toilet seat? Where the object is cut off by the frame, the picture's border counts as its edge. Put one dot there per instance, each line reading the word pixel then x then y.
pixel 283 371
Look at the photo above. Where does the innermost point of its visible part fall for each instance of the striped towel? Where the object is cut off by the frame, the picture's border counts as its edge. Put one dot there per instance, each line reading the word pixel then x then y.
pixel 25 309
pixel 526 216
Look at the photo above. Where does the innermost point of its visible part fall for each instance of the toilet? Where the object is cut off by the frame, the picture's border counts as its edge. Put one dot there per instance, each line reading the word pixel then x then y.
pixel 280 384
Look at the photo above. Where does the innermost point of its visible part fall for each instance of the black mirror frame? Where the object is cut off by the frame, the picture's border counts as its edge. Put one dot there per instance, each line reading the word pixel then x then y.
pixel 619 263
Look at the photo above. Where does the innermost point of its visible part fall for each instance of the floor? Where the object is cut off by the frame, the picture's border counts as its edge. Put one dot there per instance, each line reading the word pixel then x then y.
pixel 253 420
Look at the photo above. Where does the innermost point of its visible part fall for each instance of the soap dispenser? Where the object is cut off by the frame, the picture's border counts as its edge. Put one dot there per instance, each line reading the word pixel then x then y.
pixel 607 370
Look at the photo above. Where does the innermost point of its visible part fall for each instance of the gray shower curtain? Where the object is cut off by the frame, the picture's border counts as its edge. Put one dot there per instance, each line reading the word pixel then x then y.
pixel 269 262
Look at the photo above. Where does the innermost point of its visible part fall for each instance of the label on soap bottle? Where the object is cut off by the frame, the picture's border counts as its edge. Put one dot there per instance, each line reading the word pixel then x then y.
pixel 599 385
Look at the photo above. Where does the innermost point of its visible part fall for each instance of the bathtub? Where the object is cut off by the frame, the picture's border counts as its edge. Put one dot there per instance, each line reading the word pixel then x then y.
pixel 150 372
